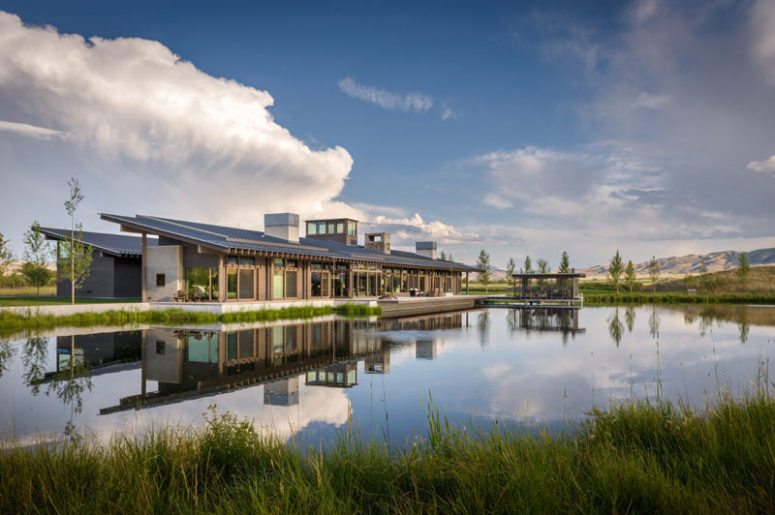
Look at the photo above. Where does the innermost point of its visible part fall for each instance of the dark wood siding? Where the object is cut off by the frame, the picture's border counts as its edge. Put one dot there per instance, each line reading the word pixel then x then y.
pixel 127 277
pixel 98 284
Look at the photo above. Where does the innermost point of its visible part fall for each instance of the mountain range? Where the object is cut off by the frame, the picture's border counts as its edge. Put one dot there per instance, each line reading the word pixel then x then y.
pixel 679 266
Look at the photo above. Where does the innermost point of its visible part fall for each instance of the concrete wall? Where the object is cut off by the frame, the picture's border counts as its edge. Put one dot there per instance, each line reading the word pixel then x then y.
pixel 163 356
pixel 167 260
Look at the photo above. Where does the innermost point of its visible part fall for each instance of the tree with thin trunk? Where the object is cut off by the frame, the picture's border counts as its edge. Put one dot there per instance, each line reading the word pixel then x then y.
pixel 484 269
pixel 6 256
pixel 528 265
pixel 615 270
pixel 629 275
pixel 654 273
pixel 74 255
pixel 543 266
pixel 510 267
pixel 743 270
pixel 564 263
pixel 36 253
pixel 443 256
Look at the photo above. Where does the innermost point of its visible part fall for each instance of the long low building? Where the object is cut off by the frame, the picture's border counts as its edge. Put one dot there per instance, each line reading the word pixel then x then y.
pixel 202 262
pixel 116 267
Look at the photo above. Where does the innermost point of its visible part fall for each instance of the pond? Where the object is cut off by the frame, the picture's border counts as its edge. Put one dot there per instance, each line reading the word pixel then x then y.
pixel 308 380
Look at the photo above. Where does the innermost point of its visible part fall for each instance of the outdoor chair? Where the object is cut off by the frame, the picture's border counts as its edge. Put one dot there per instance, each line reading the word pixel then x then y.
pixel 180 296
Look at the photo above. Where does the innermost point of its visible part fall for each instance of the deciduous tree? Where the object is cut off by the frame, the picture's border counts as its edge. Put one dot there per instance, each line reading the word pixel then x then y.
pixel 36 254
pixel 484 269
pixel 6 256
pixel 654 273
pixel 615 270
pixel 629 275
pixel 74 256
pixel 528 265
pixel 743 270
pixel 543 266
pixel 564 263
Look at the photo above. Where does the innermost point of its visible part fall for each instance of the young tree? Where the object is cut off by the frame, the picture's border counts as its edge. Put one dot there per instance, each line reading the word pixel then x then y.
pixel 36 253
pixel 484 270
pixel 654 273
pixel 743 270
pixel 528 265
pixel 629 275
pixel 75 256
pixel 443 256
pixel 6 255
pixel 510 267
pixel 543 266
pixel 450 258
pixel 564 263
pixel 615 270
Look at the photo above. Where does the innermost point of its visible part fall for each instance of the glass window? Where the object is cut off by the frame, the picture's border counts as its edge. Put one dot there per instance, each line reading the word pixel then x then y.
pixel 198 283
pixel 289 263
pixel 247 261
pixel 331 228
pixel 351 228
pixel 246 283
pixel 231 283
pixel 339 227
pixel 278 263
pixel 321 227
pixel 361 283
pixel 324 286
pixel 277 285
pixel 246 344
pixel 214 283
pixel 373 284
pixel 232 260
pixel 315 280
pixel 312 229
pixel 290 283
pixel 231 346
pixel 161 280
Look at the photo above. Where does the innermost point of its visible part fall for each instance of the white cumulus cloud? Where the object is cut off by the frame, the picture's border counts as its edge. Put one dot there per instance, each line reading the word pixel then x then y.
pixel 157 134
pixel 768 165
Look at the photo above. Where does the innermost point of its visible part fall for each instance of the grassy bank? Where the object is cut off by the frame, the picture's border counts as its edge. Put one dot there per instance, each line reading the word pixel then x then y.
pixel 634 458
pixel 56 301
pixel 12 323
pixel 592 298
pixel 48 290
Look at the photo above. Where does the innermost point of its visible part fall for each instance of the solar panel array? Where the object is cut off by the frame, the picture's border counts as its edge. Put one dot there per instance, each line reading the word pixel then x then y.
pixel 233 239
pixel 121 245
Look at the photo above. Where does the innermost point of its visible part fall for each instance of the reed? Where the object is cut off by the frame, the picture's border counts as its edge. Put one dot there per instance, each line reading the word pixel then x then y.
pixel 639 456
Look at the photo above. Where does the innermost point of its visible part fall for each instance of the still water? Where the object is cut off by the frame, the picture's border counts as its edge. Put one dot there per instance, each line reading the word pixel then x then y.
pixel 307 380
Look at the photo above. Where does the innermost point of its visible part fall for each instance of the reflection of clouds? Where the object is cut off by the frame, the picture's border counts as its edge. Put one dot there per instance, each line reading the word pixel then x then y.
pixel 497 371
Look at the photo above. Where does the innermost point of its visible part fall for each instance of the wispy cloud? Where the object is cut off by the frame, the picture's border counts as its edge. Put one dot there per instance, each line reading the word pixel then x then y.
pixel 31 131
pixel 766 166
pixel 415 102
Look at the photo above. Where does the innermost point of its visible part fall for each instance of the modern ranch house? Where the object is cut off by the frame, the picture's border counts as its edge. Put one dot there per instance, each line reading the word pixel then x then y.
pixel 200 262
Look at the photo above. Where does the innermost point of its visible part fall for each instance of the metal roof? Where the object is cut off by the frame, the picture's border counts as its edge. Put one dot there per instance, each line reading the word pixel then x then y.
pixel 241 241
pixel 120 245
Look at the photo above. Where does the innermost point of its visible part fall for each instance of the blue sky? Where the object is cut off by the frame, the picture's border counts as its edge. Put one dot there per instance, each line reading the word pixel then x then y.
pixel 521 128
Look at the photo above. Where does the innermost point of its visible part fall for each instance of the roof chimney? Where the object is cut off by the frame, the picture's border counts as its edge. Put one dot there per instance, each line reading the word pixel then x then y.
pixel 282 225
pixel 426 249
pixel 379 241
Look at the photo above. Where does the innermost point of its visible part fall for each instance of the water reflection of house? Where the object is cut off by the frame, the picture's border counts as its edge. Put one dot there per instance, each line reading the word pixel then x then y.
pixel 549 319
pixel 193 362
pixel 284 392
pixel 338 375
pixel 99 352
pixel 425 349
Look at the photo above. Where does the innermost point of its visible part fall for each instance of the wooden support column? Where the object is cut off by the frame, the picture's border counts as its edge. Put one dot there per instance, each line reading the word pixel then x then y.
pixel 144 267
pixel 466 283
pixel 223 280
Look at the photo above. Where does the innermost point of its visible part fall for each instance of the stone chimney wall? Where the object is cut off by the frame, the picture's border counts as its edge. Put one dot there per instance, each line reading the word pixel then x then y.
pixel 379 241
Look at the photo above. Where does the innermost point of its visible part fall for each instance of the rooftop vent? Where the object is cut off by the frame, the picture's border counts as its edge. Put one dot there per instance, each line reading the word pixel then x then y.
pixel 282 225
pixel 379 241
pixel 426 249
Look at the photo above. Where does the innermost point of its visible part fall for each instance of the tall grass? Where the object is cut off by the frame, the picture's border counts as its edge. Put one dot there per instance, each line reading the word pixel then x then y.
pixel 644 297
pixel 11 323
pixel 636 457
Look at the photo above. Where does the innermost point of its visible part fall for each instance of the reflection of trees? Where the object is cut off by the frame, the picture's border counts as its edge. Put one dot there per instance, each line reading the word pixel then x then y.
pixel 483 321
pixel 511 320
pixel 70 381
pixel 6 353
pixel 629 317
pixel 35 354
pixel 615 327
pixel 744 328
pixel 654 323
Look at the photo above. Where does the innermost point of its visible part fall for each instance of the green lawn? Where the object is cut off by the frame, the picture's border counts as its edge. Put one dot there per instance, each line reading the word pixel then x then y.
pixel 53 301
